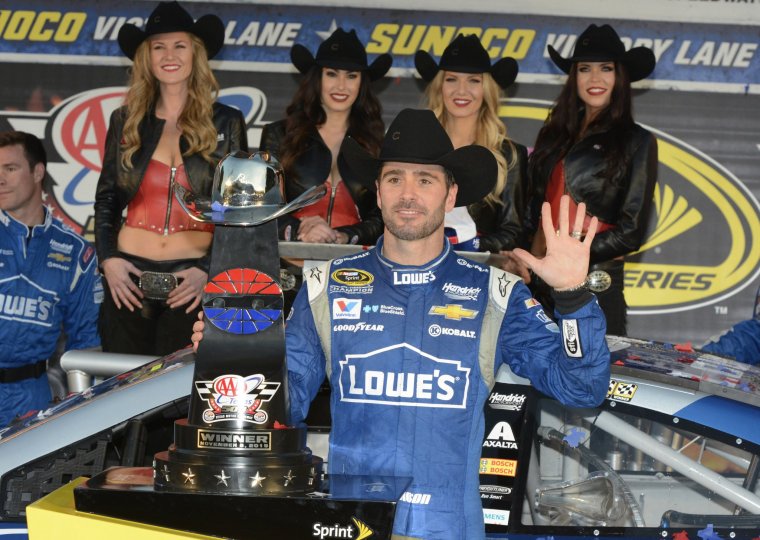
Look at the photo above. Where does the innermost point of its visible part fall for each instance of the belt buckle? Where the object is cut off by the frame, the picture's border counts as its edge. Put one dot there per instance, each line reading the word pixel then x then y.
pixel 157 285
pixel 598 281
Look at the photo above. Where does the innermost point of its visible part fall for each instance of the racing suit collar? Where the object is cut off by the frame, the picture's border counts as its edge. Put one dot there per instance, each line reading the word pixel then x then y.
pixel 22 229
pixel 430 266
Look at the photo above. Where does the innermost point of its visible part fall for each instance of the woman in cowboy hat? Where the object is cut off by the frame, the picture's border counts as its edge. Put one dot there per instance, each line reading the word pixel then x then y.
pixel 170 131
pixel 463 92
pixel 591 149
pixel 334 100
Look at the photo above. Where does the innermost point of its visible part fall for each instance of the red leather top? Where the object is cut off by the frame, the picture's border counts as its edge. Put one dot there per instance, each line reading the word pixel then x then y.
pixel 554 192
pixel 148 209
pixel 344 211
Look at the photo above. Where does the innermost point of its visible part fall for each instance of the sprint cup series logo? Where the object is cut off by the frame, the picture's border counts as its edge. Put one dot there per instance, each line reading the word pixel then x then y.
pixel 74 134
pixel 704 235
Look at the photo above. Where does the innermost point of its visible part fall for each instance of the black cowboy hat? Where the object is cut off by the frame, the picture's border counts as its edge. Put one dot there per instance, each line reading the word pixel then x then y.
pixel 602 44
pixel 171 17
pixel 416 136
pixel 466 55
pixel 342 50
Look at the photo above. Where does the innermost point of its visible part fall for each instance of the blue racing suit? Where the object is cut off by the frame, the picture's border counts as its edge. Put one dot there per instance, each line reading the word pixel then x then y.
pixel 411 352
pixel 741 341
pixel 48 282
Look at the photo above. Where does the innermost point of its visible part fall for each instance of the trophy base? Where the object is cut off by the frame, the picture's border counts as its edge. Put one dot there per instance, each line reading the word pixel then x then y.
pixel 341 503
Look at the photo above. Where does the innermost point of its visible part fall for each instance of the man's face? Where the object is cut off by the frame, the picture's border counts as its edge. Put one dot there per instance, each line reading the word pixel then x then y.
pixel 19 183
pixel 414 199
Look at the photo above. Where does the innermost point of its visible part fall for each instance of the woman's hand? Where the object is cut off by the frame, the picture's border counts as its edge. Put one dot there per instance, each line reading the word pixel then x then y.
pixel 565 265
pixel 124 291
pixel 189 290
pixel 198 327
pixel 315 229
pixel 511 263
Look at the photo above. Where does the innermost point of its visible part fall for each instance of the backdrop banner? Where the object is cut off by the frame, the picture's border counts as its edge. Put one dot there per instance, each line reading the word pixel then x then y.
pixel 62 74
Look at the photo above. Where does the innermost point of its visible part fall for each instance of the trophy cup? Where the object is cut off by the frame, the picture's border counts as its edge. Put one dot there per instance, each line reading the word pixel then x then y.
pixel 236 438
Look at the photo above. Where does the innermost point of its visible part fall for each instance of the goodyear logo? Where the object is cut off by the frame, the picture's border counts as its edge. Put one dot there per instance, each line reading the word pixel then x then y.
pixel 353 277
pixel 697 203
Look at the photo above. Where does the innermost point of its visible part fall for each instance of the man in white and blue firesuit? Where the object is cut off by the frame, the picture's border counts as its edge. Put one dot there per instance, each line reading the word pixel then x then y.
pixel 411 335
pixel 48 280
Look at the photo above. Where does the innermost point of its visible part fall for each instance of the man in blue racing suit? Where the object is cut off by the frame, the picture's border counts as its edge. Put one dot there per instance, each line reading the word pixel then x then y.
pixel 48 280
pixel 410 335
pixel 741 341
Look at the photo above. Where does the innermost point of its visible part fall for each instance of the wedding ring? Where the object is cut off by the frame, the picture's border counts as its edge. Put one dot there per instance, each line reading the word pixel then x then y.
pixel 576 234
pixel 557 232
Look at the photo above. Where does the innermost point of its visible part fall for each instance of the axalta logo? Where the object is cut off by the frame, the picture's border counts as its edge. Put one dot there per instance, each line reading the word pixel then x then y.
pixel 383 376
pixel 459 292
pixel 501 436
pixel 697 203
pixel 352 277
pixel 356 531
pixel 78 127
pixel 413 278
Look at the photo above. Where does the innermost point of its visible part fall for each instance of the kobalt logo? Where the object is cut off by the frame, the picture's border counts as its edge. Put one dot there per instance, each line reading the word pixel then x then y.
pixel 413 278
pixel 379 377
pixel 358 327
pixel 458 292
pixel 698 203
pixel 358 531
pixel 436 330
pixel 501 436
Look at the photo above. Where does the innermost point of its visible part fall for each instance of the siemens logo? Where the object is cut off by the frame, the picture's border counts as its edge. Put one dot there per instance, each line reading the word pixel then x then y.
pixel 380 377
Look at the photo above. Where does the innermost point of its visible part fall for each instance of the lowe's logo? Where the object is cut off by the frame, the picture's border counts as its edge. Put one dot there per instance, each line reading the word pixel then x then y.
pixel 380 377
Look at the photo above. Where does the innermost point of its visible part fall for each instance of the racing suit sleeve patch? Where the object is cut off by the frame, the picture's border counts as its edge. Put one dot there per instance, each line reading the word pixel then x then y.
pixel 571 339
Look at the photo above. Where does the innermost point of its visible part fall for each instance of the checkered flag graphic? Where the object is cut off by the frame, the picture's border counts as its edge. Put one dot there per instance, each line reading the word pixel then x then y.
pixel 264 391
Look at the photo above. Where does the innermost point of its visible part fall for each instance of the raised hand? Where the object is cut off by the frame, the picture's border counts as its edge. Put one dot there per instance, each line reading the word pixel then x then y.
pixel 565 264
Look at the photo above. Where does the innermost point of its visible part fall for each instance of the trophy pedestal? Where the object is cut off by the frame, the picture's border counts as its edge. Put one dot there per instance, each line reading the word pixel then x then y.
pixel 347 505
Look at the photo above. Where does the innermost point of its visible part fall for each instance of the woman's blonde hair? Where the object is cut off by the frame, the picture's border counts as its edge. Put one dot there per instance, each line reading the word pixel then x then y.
pixel 490 132
pixel 197 118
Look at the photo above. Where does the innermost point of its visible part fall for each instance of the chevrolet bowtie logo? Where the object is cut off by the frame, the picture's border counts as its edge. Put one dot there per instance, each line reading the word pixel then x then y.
pixel 453 311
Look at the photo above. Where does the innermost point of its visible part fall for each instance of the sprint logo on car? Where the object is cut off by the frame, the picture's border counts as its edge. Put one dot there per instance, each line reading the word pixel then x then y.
pixel 379 377
pixel 356 531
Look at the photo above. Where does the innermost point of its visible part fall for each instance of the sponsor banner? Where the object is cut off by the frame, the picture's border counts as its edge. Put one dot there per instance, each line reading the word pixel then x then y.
pixel 504 413
pixel 86 32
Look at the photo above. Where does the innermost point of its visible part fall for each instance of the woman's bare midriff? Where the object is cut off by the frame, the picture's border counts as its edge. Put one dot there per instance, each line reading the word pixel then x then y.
pixel 157 247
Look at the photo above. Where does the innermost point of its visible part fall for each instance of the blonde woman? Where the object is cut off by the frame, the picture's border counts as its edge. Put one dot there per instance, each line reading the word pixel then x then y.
pixel 171 131
pixel 463 92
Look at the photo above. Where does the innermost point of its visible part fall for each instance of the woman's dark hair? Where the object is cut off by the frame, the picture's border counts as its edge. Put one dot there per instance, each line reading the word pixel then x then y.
pixel 305 113
pixel 562 128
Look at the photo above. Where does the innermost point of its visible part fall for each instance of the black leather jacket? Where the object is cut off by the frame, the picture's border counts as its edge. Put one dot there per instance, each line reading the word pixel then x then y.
pixel 117 185
pixel 312 169
pixel 503 227
pixel 624 201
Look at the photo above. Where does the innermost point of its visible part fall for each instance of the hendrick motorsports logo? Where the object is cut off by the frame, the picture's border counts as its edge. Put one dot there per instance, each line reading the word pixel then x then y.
pixel 704 235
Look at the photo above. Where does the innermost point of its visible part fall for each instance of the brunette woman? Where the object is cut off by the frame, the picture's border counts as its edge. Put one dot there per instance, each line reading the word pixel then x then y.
pixel 591 149
pixel 334 100
pixel 170 131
